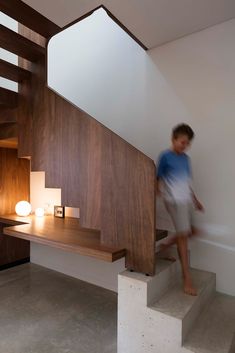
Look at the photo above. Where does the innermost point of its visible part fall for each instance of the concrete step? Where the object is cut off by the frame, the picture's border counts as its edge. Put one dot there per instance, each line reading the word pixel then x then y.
pixel 166 275
pixel 185 308
pixel 214 329
pixel 137 322
pixel 154 287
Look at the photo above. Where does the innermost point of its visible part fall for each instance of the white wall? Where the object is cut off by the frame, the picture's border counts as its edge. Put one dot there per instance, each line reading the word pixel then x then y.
pixel 142 95
pixel 6 55
pixel 201 70
pixel 85 268
pixel 97 66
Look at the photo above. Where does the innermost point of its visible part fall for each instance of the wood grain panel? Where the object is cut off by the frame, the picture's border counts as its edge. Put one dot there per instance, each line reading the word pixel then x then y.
pixel 127 208
pixel 8 130
pixel 8 98
pixel 12 249
pixel 29 92
pixel 13 72
pixel 14 186
pixel 14 180
pixel 81 164
pixel 19 45
pixel 111 182
pixel 8 115
pixel 65 234
pixel 29 17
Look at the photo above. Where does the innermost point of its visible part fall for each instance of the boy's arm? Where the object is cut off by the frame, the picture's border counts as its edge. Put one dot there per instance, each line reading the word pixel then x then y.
pixel 196 202
pixel 160 171
pixel 158 190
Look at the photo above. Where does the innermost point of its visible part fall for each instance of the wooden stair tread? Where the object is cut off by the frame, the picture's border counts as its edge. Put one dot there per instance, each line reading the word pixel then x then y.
pixel 19 45
pixel 62 233
pixel 13 72
pixel 29 17
pixel 11 142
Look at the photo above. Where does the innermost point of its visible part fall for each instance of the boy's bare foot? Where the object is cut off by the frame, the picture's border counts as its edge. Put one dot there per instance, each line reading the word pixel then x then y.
pixel 189 288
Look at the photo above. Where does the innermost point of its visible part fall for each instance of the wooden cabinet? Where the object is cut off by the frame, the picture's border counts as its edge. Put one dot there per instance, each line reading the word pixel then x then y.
pixel 14 186
pixel 13 251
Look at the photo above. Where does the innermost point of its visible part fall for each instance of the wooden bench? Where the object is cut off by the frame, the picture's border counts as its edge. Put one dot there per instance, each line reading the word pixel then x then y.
pixel 63 233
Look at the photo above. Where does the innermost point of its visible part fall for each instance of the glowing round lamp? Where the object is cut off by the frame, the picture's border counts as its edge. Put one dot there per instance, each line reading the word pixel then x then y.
pixel 39 212
pixel 23 208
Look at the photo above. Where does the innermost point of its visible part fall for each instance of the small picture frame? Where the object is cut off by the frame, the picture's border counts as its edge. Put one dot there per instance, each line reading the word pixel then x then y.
pixel 59 211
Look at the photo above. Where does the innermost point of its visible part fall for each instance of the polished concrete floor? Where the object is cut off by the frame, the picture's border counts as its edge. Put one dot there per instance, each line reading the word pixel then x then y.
pixel 43 311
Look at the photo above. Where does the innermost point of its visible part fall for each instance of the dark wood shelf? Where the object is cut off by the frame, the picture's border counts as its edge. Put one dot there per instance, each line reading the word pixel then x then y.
pixel 62 233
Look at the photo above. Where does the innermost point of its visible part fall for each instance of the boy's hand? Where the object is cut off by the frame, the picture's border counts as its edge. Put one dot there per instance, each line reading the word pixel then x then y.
pixel 199 206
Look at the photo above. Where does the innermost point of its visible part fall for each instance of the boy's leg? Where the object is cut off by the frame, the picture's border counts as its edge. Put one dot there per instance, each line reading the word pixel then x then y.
pixel 182 245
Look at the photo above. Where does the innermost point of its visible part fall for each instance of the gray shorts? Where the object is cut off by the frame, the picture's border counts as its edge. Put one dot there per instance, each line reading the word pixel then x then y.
pixel 181 215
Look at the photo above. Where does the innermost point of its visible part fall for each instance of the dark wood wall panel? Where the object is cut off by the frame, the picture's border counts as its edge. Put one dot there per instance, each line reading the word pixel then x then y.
pixel 8 130
pixel 111 182
pixel 82 165
pixel 53 139
pixel 12 249
pixel 24 119
pixel 127 208
pixel 14 180
pixel 8 115
pixel 14 187
pixel 27 93
pixel 8 98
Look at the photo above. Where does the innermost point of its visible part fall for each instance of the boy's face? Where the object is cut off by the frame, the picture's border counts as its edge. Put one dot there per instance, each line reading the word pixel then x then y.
pixel 181 143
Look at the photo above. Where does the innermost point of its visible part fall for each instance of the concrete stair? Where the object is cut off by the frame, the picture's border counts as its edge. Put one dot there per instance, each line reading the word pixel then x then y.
pixel 214 329
pixel 154 314
pixel 186 308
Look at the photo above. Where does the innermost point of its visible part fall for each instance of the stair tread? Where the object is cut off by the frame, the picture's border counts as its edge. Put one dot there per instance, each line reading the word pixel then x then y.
pixel 213 331
pixel 175 302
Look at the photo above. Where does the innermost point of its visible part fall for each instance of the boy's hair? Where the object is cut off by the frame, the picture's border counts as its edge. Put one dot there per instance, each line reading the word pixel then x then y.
pixel 182 129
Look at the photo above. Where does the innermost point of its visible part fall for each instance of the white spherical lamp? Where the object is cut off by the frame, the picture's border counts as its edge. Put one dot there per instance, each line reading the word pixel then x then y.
pixel 39 212
pixel 23 208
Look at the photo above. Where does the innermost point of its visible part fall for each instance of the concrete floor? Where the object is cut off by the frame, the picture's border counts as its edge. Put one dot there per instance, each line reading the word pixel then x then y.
pixel 43 311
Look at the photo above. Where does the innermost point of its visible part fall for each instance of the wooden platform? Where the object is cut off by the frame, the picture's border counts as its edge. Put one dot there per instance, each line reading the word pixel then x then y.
pixel 62 233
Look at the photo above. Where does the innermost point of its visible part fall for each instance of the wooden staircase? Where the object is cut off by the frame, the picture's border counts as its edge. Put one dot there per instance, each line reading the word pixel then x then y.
pixel 111 182
pixel 26 49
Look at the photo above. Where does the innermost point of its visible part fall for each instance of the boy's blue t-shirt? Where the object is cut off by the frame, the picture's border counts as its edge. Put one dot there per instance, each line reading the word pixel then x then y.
pixel 175 172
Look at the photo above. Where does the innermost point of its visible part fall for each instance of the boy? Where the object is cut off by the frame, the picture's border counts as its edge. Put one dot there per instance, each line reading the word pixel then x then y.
pixel 174 174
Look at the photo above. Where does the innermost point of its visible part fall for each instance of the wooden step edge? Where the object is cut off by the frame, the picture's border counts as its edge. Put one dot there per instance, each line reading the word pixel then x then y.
pixel 29 17
pixel 19 45
pixel 13 72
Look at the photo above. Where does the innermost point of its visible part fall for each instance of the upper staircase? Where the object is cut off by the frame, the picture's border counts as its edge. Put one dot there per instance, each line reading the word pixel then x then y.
pixel 111 182
pixel 24 48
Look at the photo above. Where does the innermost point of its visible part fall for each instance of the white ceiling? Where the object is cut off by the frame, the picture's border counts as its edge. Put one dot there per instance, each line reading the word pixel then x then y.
pixel 153 22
